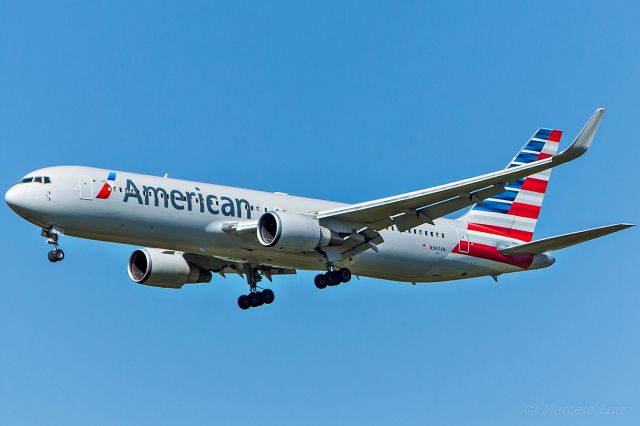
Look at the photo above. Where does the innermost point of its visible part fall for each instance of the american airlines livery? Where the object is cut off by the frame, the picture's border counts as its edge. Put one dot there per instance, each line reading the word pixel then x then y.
pixel 191 229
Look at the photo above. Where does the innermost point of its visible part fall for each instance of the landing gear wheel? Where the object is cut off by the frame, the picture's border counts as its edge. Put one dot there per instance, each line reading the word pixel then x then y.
pixel 255 299
pixel 59 255
pixel 333 278
pixel 243 302
pixel 268 296
pixel 52 256
pixel 320 281
pixel 345 275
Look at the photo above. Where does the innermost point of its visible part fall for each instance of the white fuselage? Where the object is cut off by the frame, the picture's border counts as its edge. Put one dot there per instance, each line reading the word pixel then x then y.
pixel 190 216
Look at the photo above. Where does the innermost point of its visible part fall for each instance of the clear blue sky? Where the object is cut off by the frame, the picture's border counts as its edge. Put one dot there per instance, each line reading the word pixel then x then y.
pixel 348 101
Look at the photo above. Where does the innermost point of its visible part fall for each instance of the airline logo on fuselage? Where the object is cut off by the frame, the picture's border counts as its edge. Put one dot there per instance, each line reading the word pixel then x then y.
pixel 106 190
pixel 188 200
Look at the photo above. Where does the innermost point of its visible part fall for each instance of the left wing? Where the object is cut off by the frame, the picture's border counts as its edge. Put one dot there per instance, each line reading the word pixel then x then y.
pixel 224 266
pixel 414 208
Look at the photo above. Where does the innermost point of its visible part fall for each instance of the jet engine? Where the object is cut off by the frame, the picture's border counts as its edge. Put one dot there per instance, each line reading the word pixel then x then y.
pixel 164 268
pixel 293 231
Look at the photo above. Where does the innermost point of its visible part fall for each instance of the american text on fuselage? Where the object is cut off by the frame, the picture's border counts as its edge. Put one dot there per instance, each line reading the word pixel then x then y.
pixel 177 199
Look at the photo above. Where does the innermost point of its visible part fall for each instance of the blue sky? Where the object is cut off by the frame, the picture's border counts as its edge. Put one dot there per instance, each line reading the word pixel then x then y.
pixel 339 100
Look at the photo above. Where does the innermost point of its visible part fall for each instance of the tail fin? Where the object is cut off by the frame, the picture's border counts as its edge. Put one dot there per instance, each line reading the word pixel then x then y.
pixel 514 213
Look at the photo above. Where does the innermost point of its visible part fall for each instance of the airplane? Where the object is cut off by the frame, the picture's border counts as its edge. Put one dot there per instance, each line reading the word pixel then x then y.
pixel 189 230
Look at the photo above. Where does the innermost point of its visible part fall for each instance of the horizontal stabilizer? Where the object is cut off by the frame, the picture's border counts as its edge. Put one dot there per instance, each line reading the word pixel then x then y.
pixel 562 241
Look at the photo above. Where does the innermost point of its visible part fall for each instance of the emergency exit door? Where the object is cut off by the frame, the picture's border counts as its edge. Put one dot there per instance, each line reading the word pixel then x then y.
pixel 463 241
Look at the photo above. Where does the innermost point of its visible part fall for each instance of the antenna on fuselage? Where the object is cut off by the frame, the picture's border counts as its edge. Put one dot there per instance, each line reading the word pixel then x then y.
pixel 166 175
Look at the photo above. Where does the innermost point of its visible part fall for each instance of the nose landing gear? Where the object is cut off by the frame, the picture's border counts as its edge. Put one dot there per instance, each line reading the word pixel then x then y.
pixel 55 255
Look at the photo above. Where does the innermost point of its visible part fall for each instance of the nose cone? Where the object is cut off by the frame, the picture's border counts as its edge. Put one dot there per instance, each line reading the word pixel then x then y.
pixel 15 198
pixel 11 197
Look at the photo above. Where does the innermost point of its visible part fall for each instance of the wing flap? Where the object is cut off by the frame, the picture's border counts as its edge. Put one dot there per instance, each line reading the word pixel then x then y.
pixel 413 218
pixel 562 241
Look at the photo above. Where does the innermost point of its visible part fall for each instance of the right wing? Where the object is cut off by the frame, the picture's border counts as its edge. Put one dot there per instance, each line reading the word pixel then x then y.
pixel 562 241
pixel 414 208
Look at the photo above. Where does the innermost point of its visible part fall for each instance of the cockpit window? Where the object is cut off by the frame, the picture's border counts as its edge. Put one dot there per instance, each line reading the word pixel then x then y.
pixel 37 179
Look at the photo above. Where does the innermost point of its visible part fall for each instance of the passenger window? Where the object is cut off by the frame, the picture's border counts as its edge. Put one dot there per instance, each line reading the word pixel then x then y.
pixel 437 234
pixel 432 233
pixel 421 232
pixel 443 235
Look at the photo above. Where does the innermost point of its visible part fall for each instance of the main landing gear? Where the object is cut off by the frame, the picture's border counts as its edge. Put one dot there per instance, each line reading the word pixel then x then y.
pixel 332 278
pixel 255 297
pixel 55 255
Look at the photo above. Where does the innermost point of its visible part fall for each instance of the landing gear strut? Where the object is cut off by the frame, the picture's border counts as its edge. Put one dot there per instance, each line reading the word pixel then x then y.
pixel 55 255
pixel 332 277
pixel 255 297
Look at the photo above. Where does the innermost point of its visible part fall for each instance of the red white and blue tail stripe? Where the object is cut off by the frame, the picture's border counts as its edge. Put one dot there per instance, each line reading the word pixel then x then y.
pixel 514 213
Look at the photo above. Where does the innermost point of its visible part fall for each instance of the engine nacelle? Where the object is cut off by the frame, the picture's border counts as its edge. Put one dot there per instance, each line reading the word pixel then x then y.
pixel 292 231
pixel 163 268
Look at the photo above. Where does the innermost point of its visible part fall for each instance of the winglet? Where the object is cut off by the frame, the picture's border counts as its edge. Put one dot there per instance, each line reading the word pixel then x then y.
pixel 583 141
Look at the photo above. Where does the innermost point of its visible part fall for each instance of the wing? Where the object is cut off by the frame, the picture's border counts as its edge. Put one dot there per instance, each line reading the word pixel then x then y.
pixel 414 208
pixel 562 241
pixel 224 266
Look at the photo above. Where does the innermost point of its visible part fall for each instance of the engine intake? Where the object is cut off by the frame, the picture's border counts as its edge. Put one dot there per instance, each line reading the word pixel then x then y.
pixel 162 268
pixel 292 231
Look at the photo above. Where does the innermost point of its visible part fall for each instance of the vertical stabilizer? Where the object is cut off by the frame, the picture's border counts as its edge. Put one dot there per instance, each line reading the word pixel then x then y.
pixel 514 213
